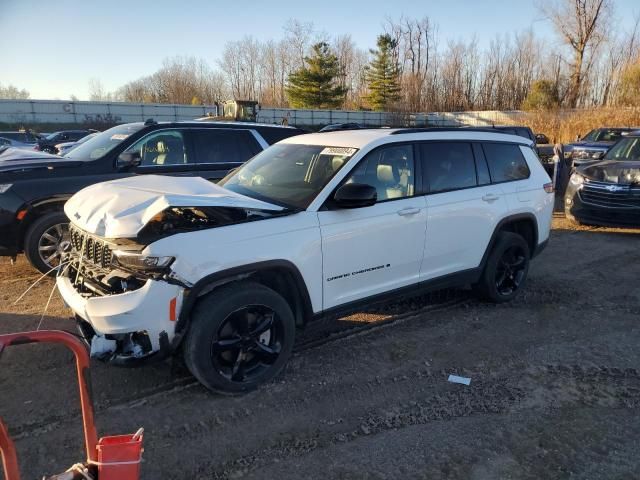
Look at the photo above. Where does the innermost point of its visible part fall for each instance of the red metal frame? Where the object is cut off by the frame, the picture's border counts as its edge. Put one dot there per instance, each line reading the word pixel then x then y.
pixel 7 449
pixel 8 454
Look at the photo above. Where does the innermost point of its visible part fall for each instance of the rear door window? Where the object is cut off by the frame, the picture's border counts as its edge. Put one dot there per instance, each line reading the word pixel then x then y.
pixel 224 146
pixel 448 166
pixel 506 162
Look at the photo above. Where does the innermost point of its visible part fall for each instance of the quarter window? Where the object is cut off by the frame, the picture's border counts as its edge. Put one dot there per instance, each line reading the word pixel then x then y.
pixel 161 148
pixel 506 162
pixel 448 166
pixel 390 170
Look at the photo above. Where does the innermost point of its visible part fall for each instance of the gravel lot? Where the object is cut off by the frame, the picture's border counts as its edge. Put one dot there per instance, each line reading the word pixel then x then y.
pixel 555 390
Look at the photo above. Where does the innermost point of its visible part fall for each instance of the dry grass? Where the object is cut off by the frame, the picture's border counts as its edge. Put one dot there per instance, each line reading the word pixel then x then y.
pixel 564 125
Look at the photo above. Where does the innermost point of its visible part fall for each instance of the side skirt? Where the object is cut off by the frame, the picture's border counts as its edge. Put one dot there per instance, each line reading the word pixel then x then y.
pixel 457 279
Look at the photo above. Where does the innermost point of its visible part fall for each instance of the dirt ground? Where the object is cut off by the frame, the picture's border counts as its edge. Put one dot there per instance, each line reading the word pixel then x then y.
pixel 555 386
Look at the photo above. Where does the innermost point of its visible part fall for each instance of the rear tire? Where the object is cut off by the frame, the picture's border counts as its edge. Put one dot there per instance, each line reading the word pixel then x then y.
pixel 505 272
pixel 240 337
pixel 45 240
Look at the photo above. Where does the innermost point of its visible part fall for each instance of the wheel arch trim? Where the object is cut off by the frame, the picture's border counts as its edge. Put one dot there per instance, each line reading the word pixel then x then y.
pixel 505 221
pixel 223 277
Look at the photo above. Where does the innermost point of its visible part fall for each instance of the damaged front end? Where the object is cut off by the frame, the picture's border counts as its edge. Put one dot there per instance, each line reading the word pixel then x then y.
pixel 127 299
pixel 126 303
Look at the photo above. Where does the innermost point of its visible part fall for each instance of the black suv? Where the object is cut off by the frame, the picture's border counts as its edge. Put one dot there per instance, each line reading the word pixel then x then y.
pixel 48 143
pixel 34 186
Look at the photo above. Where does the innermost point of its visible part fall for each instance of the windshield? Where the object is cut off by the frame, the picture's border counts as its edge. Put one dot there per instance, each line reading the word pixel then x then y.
pixel 603 135
pixel 51 136
pixel 626 149
pixel 103 143
pixel 288 174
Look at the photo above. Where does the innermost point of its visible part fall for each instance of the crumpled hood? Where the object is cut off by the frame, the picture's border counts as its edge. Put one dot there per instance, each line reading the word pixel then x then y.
pixel 612 171
pixel 121 208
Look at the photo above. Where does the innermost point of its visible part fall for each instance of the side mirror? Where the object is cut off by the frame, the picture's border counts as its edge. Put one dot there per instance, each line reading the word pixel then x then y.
pixel 129 159
pixel 355 195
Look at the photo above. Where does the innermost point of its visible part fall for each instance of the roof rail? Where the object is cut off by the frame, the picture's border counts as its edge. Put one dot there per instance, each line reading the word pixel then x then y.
pixel 464 128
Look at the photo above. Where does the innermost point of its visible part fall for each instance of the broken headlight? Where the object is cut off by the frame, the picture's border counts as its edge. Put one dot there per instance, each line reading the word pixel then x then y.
pixel 140 262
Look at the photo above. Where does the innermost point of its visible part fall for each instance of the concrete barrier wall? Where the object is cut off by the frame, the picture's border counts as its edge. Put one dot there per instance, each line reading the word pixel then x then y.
pixel 68 112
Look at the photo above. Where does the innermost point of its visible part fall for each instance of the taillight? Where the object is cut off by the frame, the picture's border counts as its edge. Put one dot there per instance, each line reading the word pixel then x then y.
pixel 36 147
pixel 548 187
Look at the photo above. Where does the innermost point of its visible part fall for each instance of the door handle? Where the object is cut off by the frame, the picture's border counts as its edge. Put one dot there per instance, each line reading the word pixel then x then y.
pixel 490 197
pixel 409 211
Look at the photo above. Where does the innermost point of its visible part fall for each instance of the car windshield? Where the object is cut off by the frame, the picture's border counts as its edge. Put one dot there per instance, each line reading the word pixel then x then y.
pixel 51 136
pixel 291 175
pixel 603 135
pixel 86 138
pixel 626 149
pixel 103 143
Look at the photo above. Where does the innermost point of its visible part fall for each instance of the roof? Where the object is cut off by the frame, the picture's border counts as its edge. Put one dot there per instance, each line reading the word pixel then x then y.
pixel 377 136
pixel 209 121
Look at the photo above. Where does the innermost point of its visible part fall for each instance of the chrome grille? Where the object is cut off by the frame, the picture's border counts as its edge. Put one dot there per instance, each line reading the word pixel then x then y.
pixel 610 195
pixel 93 249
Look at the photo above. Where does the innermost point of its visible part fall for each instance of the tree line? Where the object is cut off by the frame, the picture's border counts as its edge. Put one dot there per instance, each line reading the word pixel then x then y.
pixel 590 63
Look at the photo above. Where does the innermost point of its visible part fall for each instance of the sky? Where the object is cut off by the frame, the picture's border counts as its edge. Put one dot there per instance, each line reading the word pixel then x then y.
pixel 53 48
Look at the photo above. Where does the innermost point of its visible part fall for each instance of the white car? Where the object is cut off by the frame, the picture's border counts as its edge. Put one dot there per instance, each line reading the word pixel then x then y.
pixel 317 223
pixel 11 143
pixel 65 147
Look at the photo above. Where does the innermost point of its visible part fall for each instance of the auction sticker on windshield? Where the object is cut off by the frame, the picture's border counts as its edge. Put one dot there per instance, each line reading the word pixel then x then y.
pixel 346 151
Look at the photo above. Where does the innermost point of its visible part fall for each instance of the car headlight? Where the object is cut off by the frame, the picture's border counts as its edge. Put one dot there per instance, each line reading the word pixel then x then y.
pixel 567 154
pixel 140 262
pixel 5 186
pixel 576 179
pixel 597 155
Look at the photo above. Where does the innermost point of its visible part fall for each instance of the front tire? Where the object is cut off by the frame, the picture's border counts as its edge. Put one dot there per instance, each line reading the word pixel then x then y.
pixel 505 272
pixel 240 337
pixel 46 240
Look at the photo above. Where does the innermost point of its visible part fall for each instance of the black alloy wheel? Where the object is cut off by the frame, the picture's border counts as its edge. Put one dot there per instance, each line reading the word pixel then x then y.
pixel 249 342
pixel 239 337
pixel 511 270
pixel 505 270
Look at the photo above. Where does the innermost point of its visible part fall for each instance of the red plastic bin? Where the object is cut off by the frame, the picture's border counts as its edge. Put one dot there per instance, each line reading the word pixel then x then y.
pixel 119 457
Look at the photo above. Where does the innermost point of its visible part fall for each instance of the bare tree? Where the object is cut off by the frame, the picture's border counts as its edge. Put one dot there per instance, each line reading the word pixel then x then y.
pixel 299 35
pixel 97 92
pixel 582 24
pixel 13 93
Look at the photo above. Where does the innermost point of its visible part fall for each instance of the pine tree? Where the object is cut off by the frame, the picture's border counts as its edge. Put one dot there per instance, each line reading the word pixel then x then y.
pixel 383 75
pixel 314 85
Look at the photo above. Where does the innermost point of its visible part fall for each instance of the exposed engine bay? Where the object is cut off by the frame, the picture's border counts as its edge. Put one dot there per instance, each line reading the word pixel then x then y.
pixel 175 220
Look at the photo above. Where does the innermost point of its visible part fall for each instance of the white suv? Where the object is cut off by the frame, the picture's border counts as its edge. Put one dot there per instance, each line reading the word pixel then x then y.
pixel 317 223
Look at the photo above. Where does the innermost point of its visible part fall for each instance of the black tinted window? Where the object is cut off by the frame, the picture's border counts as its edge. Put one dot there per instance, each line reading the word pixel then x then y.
pixel 524 132
pixel 506 162
pixel 224 146
pixel 448 165
pixel 272 135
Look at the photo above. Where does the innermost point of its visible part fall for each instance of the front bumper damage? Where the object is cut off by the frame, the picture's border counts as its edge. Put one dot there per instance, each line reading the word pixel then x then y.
pixel 127 328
